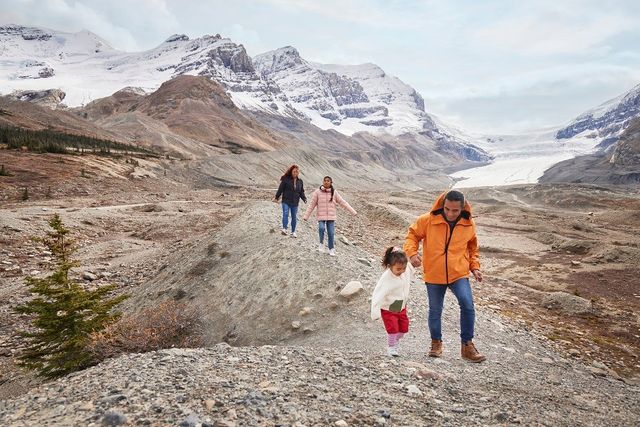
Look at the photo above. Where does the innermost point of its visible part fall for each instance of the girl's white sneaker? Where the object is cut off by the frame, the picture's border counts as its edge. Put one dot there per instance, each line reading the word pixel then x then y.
pixel 320 247
pixel 392 352
pixel 332 252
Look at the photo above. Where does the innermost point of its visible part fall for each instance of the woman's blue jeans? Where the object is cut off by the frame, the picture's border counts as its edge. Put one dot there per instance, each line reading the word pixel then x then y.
pixel 462 291
pixel 331 230
pixel 286 208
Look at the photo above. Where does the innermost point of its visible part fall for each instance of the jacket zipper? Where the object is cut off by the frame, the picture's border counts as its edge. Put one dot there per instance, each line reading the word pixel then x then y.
pixel 446 251
pixel 325 194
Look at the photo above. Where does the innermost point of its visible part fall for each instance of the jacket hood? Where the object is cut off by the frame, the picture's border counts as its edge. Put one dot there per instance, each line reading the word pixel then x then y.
pixel 438 207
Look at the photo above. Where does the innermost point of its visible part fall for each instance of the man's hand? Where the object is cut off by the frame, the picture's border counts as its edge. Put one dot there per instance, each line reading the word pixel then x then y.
pixel 274 200
pixel 478 275
pixel 416 260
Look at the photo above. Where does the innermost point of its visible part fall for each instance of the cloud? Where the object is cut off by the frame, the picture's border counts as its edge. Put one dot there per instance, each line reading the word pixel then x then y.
pixel 366 12
pixel 130 25
pixel 552 99
pixel 554 30
pixel 249 38
pixel 550 80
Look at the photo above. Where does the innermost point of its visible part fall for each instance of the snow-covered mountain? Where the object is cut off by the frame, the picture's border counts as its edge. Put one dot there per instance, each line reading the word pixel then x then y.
pixel 86 68
pixel 347 99
pixel 607 121
pixel 526 158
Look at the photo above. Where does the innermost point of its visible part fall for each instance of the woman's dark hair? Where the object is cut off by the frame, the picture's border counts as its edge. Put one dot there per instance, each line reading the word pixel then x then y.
pixel 289 172
pixel 394 256
pixel 332 189
pixel 455 196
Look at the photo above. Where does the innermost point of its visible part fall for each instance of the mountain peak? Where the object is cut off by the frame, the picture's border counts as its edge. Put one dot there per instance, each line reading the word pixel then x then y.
pixel 177 38
pixel 289 50
pixel 27 33
pixel 281 59
pixel 608 120
pixel 193 88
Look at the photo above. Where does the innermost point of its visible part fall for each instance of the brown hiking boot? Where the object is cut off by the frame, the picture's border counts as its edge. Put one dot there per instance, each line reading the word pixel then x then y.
pixel 470 353
pixel 436 348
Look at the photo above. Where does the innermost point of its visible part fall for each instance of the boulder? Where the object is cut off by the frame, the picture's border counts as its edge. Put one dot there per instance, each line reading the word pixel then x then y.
pixel 567 303
pixel 351 289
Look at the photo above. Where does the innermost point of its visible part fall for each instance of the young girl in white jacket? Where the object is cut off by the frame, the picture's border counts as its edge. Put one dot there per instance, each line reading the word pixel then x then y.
pixel 389 299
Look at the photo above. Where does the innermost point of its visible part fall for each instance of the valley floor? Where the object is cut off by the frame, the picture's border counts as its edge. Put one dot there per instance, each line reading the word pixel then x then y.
pixel 557 312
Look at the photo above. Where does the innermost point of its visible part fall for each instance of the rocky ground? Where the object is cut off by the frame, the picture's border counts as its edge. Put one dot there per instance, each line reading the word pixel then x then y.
pixel 522 383
pixel 557 313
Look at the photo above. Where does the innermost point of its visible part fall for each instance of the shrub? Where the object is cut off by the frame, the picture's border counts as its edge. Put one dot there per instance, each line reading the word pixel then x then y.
pixel 168 325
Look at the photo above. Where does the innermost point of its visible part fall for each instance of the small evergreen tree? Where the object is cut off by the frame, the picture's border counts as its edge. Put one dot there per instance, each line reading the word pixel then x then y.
pixel 64 313
pixel 3 171
pixel 25 194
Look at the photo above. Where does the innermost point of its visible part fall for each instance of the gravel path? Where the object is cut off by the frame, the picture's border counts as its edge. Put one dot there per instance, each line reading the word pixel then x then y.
pixel 272 385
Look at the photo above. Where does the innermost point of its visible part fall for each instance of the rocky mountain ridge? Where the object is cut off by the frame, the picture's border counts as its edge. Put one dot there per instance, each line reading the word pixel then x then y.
pixel 348 99
pixel 607 121
pixel 618 166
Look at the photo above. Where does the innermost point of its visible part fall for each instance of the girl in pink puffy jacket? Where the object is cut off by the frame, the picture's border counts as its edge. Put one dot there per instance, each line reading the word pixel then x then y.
pixel 325 199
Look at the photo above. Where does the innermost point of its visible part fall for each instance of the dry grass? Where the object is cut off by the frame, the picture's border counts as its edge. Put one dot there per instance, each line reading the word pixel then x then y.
pixel 171 324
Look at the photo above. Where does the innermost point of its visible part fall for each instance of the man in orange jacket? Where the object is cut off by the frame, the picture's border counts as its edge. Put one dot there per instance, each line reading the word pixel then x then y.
pixel 449 254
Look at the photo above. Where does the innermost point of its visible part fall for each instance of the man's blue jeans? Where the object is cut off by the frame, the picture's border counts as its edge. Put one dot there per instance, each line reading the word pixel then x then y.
pixel 285 216
pixel 331 230
pixel 462 290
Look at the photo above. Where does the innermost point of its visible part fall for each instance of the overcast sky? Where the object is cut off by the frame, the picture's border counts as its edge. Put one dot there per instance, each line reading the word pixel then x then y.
pixel 488 66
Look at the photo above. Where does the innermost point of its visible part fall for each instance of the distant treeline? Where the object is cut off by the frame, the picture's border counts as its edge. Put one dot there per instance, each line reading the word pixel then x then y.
pixel 49 141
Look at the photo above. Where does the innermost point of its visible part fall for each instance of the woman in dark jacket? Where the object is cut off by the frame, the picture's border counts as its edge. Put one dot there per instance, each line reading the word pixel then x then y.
pixel 292 190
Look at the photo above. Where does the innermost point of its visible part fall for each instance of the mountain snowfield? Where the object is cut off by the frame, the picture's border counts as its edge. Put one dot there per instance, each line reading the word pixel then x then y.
pixel 521 159
pixel 86 68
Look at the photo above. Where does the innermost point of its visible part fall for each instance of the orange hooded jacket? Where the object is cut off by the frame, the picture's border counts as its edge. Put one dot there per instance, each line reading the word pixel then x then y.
pixel 444 264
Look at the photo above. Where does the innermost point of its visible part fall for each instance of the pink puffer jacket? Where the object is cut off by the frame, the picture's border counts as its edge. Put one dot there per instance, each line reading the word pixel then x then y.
pixel 326 208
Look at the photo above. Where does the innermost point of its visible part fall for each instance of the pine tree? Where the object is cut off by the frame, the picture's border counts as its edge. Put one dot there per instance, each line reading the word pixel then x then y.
pixel 64 313
pixel 3 171
pixel 25 194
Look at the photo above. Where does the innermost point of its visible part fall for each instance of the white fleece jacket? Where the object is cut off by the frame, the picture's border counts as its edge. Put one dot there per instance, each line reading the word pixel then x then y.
pixel 391 289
